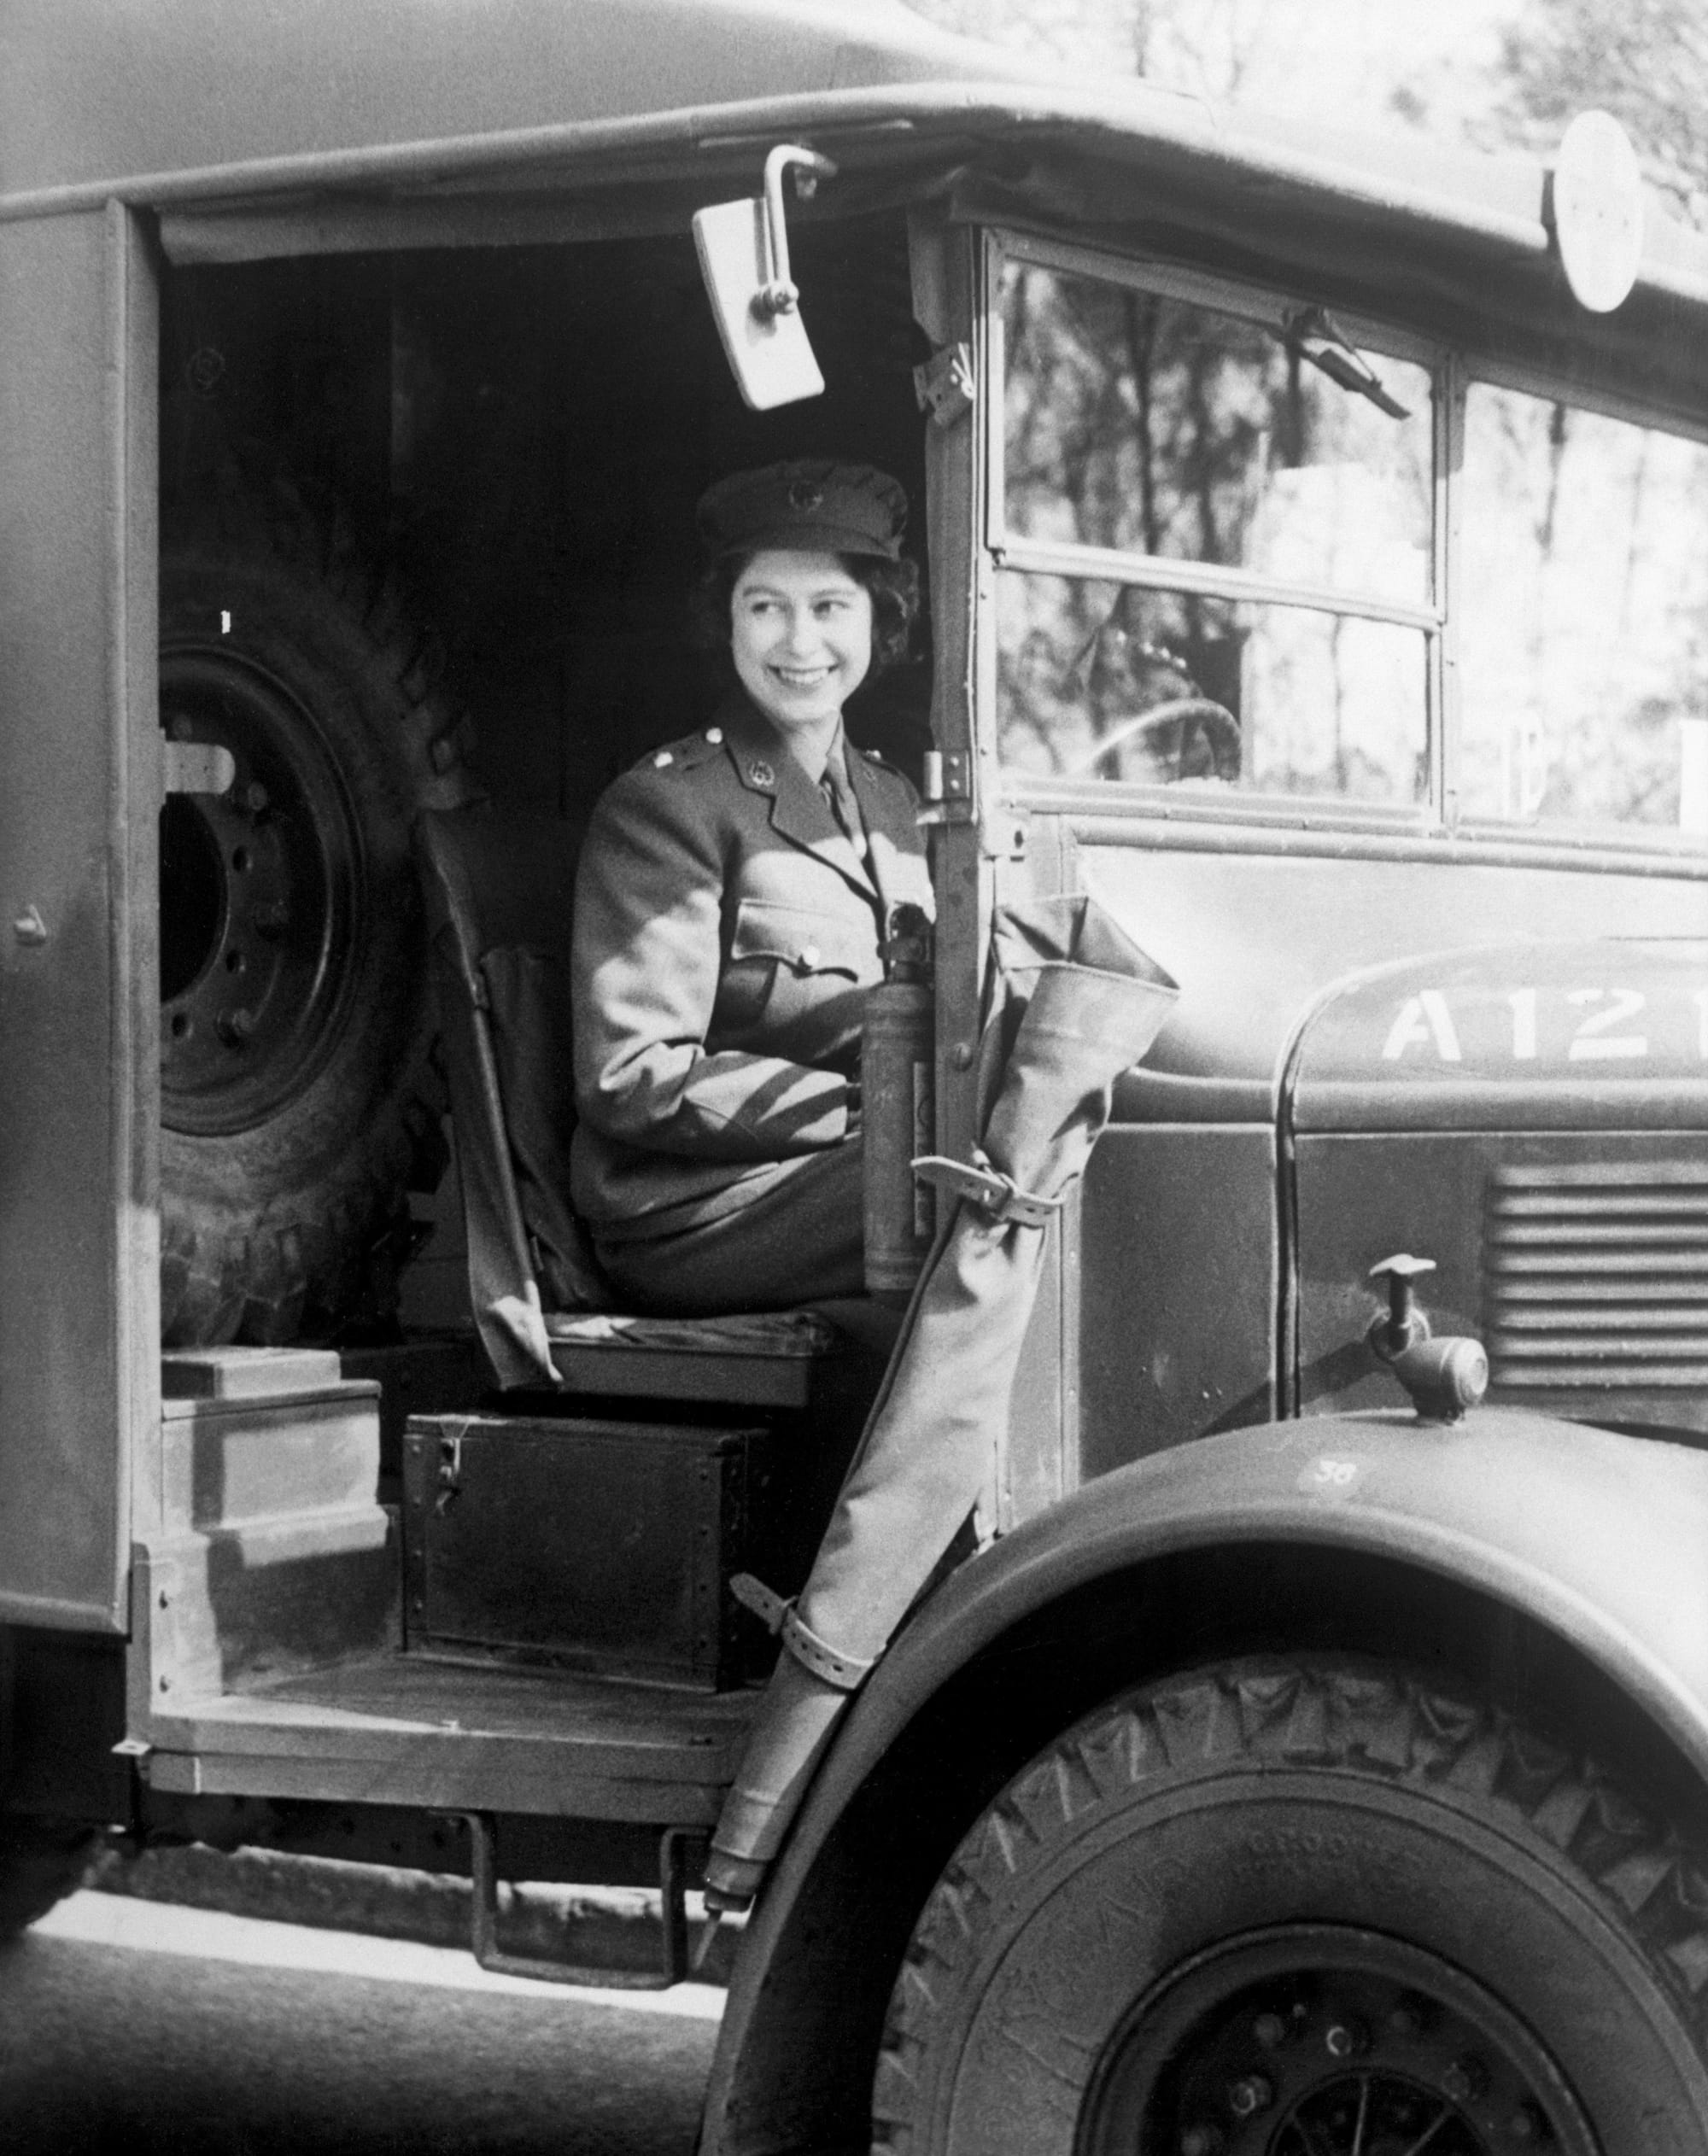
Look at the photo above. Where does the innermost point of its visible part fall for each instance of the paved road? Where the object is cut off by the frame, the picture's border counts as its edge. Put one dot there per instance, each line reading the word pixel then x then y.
pixel 156 2032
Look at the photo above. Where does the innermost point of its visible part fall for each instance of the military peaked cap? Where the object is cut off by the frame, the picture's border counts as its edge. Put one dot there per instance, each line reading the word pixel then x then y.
pixel 810 506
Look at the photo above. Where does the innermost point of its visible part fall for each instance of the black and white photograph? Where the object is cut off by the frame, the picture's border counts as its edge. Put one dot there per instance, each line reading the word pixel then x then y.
pixel 854 1032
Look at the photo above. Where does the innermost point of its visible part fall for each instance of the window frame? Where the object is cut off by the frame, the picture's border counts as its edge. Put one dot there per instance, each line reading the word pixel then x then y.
pixel 1002 552
pixel 1687 850
pixel 1451 372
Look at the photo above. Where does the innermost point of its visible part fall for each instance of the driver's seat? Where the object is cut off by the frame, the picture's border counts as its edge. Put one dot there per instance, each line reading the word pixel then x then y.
pixel 499 891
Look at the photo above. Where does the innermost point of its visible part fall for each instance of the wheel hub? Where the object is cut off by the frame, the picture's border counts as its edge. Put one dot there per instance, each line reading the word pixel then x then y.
pixel 1320 2040
pixel 259 888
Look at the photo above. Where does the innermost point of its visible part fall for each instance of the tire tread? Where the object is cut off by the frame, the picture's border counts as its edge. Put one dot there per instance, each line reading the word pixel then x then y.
pixel 1392 1725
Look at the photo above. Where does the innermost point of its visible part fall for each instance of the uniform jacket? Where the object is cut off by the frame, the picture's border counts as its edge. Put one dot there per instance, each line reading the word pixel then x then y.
pixel 726 931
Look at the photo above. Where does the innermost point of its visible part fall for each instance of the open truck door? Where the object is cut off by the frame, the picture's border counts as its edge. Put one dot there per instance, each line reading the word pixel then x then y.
pixel 80 765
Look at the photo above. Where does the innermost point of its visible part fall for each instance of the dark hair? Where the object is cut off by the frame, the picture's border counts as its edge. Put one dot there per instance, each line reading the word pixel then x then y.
pixel 894 586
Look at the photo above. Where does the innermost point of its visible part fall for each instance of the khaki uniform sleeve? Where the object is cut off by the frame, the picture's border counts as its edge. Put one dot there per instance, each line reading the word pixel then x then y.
pixel 647 957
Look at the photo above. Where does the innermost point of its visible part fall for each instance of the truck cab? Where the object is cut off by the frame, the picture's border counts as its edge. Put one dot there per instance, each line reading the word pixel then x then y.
pixel 1310 532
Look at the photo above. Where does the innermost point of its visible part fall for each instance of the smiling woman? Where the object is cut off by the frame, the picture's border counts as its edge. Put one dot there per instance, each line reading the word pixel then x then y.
pixel 733 895
pixel 800 638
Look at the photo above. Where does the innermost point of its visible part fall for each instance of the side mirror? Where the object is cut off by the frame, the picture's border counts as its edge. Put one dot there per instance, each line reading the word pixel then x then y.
pixel 744 257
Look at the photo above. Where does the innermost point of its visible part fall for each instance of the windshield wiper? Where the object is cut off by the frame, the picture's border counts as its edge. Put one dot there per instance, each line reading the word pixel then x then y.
pixel 1314 335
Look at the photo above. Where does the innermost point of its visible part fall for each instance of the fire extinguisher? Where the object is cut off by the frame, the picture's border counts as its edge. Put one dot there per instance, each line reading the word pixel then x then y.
pixel 898 1094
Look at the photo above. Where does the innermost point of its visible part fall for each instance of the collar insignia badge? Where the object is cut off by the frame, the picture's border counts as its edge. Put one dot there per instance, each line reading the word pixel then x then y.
pixel 761 773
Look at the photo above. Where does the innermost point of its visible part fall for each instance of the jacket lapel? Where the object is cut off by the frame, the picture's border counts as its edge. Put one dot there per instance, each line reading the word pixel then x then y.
pixel 799 812
pixel 887 839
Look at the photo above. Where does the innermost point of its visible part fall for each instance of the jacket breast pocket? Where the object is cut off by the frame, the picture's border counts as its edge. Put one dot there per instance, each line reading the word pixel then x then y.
pixel 787 965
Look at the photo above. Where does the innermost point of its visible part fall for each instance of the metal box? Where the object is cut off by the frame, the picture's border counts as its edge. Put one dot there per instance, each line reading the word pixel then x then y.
pixel 602 1545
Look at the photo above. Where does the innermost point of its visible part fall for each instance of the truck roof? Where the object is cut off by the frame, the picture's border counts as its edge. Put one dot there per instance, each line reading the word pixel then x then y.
pixel 182 101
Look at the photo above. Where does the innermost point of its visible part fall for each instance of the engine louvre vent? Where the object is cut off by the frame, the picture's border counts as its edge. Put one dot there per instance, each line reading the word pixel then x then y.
pixel 1596 1277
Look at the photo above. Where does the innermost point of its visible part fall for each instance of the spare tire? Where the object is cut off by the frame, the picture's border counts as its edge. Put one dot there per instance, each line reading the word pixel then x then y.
pixel 298 1095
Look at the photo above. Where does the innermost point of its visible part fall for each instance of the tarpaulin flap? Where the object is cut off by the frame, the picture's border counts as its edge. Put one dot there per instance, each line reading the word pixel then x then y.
pixel 1076 1002
pixel 1079 1003
pixel 1072 929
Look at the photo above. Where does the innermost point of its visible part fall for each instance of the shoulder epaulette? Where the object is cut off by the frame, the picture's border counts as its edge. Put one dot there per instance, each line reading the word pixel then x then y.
pixel 684 755
pixel 876 758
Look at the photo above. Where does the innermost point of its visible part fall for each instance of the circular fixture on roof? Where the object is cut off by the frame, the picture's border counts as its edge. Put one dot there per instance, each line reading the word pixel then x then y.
pixel 1598 210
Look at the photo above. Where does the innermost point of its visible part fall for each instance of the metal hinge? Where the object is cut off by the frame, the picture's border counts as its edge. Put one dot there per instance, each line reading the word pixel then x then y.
pixel 944 385
pixel 947 789
pixel 946 776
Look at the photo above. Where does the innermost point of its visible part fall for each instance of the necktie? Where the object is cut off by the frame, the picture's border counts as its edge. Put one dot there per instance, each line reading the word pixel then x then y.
pixel 839 793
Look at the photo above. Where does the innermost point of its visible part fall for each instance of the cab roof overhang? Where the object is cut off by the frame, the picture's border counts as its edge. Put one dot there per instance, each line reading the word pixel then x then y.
pixel 233 122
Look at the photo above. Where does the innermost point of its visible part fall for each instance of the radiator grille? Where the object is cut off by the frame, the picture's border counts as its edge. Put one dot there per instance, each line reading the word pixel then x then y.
pixel 1597 1275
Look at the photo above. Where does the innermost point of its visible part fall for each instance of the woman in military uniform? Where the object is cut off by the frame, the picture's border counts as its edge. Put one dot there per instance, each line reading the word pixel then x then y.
pixel 733 895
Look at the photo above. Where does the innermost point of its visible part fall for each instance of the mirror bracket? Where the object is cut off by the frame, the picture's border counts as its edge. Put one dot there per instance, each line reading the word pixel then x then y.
pixel 744 259
pixel 778 294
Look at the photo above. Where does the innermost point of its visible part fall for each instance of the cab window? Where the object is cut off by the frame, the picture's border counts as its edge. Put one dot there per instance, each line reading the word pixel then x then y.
pixel 1582 629
pixel 1215 527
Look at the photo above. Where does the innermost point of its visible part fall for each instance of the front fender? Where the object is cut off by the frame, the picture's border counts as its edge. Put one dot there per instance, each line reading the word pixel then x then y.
pixel 1601 1538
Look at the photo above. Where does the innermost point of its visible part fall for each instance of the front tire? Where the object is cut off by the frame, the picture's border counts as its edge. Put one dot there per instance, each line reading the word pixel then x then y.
pixel 1301 1908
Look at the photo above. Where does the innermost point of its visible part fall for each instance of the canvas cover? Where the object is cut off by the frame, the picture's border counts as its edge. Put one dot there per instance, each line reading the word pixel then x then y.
pixel 1075 1003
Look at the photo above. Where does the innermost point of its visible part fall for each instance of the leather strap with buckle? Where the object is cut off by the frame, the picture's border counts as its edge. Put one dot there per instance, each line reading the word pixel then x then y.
pixel 844 1671
pixel 995 1193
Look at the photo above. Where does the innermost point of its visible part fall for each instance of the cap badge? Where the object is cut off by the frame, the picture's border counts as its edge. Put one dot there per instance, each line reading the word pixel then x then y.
pixel 805 496
pixel 761 773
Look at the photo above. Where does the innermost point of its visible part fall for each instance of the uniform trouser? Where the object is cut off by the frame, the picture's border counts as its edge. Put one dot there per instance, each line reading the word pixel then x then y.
pixel 800 1241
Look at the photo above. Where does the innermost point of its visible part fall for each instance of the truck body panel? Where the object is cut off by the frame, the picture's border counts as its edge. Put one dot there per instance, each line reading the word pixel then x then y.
pixel 78 1323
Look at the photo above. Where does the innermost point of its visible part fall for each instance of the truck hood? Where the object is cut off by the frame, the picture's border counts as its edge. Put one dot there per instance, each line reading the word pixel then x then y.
pixel 1520 1035
pixel 1295 969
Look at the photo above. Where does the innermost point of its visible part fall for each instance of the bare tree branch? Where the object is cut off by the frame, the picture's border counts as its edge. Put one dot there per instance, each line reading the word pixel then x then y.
pixel 1644 60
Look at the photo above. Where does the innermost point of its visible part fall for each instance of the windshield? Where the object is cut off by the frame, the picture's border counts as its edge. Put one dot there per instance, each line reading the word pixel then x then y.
pixel 1216 522
pixel 1147 424
pixel 1247 467
pixel 1584 620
